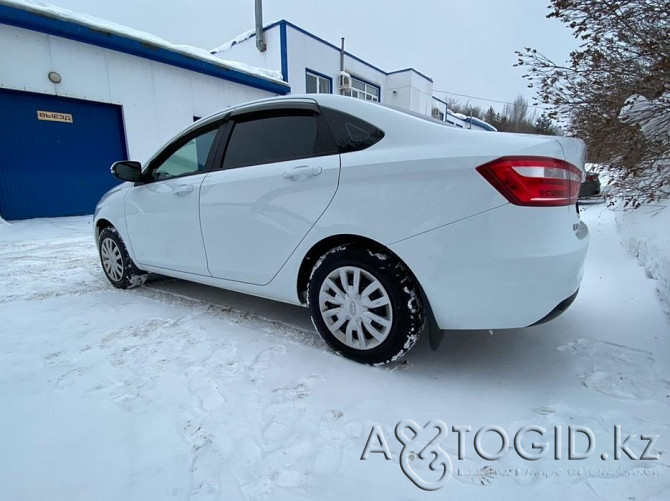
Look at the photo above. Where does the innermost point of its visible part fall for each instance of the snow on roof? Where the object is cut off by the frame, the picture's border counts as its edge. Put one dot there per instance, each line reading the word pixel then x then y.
pixel 239 38
pixel 54 11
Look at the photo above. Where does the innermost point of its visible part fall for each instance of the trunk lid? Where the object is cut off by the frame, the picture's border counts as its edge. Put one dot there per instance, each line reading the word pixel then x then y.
pixel 574 152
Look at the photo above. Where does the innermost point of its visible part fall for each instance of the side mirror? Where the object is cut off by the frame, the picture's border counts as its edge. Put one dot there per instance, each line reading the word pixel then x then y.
pixel 127 170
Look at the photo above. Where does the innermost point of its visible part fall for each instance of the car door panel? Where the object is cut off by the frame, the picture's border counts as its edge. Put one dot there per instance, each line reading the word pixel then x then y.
pixel 254 217
pixel 163 223
pixel 163 215
pixel 279 173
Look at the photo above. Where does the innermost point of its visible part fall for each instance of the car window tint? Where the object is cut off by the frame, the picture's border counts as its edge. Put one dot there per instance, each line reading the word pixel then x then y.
pixel 188 159
pixel 268 139
pixel 351 133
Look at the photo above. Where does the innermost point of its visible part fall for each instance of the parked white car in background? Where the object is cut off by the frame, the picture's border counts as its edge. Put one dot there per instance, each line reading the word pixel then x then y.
pixel 376 219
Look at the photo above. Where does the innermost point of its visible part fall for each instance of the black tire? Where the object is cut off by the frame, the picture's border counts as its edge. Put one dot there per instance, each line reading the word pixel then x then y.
pixel 119 268
pixel 403 305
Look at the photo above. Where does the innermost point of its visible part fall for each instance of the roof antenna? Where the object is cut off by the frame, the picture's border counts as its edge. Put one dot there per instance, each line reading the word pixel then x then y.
pixel 260 36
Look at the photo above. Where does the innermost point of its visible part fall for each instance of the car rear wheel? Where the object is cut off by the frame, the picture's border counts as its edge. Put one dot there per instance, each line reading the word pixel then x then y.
pixel 365 304
pixel 116 263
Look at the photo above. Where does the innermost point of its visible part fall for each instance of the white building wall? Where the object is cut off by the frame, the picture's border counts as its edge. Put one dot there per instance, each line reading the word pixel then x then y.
pixel 247 52
pixel 158 100
pixel 398 91
pixel 405 89
pixel 413 91
pixel 422 94
pixel 408 89
pixel 304 52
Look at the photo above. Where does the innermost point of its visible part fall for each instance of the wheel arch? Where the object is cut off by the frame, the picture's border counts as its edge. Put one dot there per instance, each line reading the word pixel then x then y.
pixel 100 225
pixel 333 241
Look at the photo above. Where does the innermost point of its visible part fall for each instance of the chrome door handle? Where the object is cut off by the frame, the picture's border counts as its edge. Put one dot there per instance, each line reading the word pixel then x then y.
pixel 302 171
pixel 183 189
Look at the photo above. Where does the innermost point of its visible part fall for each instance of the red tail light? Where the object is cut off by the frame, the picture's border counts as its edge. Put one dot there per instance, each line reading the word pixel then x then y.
pixel 534 181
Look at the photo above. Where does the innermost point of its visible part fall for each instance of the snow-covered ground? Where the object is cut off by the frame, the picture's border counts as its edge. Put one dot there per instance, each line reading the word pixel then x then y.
pixel 646 234
pixel 181 391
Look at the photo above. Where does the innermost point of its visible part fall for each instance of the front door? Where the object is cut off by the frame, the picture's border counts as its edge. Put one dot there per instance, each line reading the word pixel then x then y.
pixel 162 215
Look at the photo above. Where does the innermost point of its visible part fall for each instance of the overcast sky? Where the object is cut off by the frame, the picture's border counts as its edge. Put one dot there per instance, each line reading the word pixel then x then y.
pixel 466 46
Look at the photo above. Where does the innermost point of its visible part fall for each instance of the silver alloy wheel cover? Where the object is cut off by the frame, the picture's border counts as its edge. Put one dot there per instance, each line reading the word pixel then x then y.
pixel 360 319
pixel 112 261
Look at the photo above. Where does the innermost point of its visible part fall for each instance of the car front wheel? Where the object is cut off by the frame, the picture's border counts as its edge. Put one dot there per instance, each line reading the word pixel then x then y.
pixel 116 263
pixel 365 304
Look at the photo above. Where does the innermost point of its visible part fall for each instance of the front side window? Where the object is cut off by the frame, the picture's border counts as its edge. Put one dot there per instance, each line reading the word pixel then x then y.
pixel 363 90
pixel 316 84
pixel 269 139
pixel 190 158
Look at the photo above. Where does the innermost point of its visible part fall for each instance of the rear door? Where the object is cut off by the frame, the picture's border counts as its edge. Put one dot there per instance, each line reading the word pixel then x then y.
pixel 279 173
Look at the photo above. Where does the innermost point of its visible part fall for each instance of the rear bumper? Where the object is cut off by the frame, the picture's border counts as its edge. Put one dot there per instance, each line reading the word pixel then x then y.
pixel 560 308
pixel 505 268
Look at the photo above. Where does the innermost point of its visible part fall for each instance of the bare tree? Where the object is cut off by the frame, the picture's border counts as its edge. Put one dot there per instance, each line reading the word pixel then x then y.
pixel 517 115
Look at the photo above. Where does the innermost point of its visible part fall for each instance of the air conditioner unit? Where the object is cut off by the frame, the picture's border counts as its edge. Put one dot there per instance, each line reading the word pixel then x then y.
pixel 344 81
pixel 436 113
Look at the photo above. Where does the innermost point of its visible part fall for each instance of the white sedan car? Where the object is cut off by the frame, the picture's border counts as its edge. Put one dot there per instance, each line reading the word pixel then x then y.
pixel 376 219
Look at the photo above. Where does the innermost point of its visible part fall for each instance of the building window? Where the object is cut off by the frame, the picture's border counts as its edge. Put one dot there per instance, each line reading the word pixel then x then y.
pixel 317 84
pixel 363 90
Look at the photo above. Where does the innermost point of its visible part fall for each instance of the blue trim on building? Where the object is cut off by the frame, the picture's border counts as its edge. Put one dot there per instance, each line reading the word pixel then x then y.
pixel 441 101
pixel 283 40
pixel 72 30
pixel 284 22
pixel 318 74
pixel 318 39
pixel 411 69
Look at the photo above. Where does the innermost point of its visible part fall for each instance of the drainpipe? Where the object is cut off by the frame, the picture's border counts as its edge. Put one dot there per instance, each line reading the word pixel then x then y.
pixel 260 36
pixel 342 55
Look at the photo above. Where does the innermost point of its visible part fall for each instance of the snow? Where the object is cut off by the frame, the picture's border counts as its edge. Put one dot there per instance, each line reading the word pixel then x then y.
pixel 653 118
pixel 181 391
pixel 646 235
pixel 54 11
pixel 225 47
pixel 652 115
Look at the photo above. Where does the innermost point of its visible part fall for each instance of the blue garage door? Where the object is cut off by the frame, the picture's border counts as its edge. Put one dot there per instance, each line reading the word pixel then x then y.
pixel 55 154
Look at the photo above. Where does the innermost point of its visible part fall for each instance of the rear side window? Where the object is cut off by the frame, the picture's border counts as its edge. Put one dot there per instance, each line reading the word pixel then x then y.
pixel 351 133
pixel 261 139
